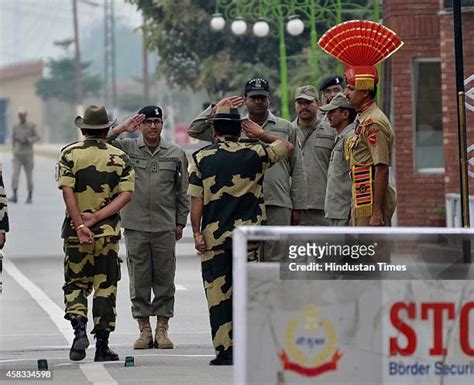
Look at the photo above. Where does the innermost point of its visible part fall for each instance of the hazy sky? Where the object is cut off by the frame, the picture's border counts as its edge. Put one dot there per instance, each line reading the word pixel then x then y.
pixel 28 28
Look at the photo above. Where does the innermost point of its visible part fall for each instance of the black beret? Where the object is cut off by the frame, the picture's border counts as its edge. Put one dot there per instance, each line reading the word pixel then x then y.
pixel 152 112
pixel 332 80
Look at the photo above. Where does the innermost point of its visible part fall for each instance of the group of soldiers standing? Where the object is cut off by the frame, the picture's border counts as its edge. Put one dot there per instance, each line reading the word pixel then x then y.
pixel 330 166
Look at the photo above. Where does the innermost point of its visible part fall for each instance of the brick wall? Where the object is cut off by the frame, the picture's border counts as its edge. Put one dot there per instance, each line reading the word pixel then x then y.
pixel 420 195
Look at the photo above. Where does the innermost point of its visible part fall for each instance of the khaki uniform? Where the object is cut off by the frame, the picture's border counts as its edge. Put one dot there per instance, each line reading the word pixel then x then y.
pixel 371 144
pixel 228 175
pixel 23 138
pixel 98 173
pixel 284 186
pixel 159 204
pixel 337 204
pixel 317 144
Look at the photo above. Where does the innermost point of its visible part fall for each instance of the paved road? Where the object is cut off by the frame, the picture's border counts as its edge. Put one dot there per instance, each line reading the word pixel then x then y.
pixel 31 315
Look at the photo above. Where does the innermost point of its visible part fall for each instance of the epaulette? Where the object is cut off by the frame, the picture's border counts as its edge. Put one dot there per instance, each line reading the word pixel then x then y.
pixel 368 122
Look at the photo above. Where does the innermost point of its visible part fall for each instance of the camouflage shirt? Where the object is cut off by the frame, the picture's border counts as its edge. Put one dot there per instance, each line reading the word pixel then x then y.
pixel 97 172
pixel 228 175
pixel 4 225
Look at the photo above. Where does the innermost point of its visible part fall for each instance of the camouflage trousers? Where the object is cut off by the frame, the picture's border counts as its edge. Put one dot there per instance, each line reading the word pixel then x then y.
pixel 216 268
pixel 92 267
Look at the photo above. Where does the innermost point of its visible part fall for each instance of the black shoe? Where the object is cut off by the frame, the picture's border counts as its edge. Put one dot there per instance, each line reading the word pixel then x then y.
pixel 102 351
pixel 80 342
pixel 30 198
pixel 13 198
pixel 222 360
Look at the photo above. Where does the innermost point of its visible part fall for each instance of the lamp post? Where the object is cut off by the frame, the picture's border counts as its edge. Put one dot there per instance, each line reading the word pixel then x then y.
pixel 292 15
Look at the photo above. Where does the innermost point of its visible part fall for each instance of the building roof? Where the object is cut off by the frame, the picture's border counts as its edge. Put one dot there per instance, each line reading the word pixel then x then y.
pixel 21 70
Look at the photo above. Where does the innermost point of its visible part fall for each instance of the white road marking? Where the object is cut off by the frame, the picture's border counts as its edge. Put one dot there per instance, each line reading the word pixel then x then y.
pixel 180 288
pixel 97 374
pixel 52 310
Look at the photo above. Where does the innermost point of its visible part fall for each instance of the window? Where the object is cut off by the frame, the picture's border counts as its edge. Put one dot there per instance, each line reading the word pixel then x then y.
pixel 428 123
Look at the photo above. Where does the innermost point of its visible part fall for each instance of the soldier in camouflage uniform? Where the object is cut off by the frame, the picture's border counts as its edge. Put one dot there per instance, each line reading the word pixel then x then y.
pixel 285 184
pixel 23 137
pixel 97 180
pixel 225 185
pixel 4 225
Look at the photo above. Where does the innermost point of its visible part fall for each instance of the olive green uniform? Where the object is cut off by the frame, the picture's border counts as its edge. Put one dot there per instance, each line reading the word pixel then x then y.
pixel 284 186
pixel 23 138
pixel 228 175
pixel 317 144
pixel 337 204
pixel 371 144
pixel 97 172
pixel 158 206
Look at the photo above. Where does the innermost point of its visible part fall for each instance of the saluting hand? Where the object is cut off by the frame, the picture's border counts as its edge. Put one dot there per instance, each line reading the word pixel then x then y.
pixel 131 124
pixel 231 101
pixel 251 129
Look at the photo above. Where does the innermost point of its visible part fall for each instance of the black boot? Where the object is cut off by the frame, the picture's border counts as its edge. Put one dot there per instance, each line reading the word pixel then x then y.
pixel 80 342
pixel 13 198
pixel 223 359
pixel 102 351
pixel 30 197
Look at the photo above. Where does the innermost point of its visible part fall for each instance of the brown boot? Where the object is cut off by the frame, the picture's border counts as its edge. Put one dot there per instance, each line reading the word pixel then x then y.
pixel 162 341
pixel 145 341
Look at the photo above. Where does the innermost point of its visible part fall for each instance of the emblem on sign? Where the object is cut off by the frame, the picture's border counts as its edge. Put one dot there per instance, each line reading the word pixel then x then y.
pixel 310 344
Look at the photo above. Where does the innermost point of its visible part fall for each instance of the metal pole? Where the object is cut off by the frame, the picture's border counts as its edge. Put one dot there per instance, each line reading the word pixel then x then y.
pixel 313 43
pixel 458 48
pixel 146 92
pixel 106 54
pixel 285 113
pixel 77 58
pixel 113 55
pixel 462 136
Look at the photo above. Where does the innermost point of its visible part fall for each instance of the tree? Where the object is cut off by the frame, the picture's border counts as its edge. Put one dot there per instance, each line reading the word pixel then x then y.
pixel 60 82
pixel 193 55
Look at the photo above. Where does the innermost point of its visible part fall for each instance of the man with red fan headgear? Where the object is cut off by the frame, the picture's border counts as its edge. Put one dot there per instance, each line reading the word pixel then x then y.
pixel 361 44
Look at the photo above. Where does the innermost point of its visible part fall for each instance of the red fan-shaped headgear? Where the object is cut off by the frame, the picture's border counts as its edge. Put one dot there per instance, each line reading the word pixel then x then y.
pixel 360 44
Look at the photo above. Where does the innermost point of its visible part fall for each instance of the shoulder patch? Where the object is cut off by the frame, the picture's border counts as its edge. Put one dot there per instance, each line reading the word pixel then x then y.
pixel 368 121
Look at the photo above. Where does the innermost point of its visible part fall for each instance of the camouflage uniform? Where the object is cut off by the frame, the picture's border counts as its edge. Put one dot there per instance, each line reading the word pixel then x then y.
pixel 23 138
pixel 98 173
pixel 371 144
pixel 284 185
pixel 4 225
pixel 228 175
